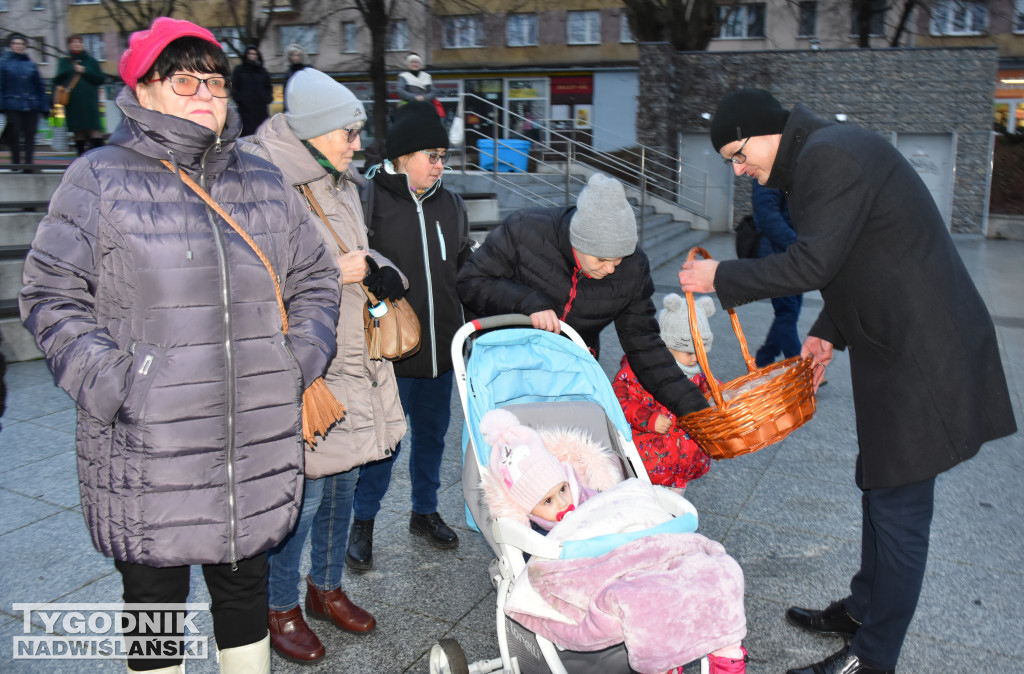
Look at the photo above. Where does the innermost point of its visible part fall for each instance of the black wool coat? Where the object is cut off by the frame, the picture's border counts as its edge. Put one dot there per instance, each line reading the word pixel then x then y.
pixel 527 265
pixel 928 383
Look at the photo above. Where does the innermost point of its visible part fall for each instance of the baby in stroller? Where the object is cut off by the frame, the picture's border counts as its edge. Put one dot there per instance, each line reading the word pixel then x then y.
pixel 629 576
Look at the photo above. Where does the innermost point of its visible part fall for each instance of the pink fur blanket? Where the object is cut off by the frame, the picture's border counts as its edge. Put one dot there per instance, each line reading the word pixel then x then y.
pixel 671 598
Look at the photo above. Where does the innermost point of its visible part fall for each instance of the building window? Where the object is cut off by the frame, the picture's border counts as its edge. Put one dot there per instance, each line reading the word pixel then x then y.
pixel 521 30
pixel 584 28
pixel 877 9
pixel 1018 17
pixel 37 6
pixel 304 36
pixel 808 24
pixel 348 37
pixel 625 34
pixel 36 46
pixel 398 35
pixel 463 31
pixel 959 17
pixel 3 5
pixel 85 2
pixel 230 38
pixel 737 21
pixel 94 44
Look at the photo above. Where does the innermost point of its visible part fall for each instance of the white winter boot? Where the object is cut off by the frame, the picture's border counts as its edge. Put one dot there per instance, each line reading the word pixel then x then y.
pixel 248 659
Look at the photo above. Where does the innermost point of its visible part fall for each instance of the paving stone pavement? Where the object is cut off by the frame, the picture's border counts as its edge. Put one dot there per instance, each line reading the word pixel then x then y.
pixel 789 514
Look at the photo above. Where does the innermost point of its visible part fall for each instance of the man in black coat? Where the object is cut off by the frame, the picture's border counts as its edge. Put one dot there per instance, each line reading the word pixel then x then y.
pixel 580 265
pixel 928 383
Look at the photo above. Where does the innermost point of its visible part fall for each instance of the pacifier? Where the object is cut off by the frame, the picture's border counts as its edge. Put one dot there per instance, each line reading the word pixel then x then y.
pixel 565 512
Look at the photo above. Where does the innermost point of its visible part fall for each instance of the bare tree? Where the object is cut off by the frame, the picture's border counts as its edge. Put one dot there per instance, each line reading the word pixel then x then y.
pixel 688 25
pixel 377 16
pixel 138 15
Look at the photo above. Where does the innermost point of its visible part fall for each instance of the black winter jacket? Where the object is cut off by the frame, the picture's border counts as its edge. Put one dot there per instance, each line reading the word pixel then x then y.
pixel 252 92
pixel 422 237
pixel 928 384
pixel 527 265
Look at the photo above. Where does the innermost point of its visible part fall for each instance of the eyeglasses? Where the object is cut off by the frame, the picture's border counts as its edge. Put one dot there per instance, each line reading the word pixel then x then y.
pixel 353 133
pixel 738 157
pixel 188 85
pixel 435 157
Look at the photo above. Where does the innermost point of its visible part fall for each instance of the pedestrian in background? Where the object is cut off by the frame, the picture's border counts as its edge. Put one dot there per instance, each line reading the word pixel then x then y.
pixel 928 382
pixel 415 84
pixel 22 98
pixel 165 327
pixel 296 62
pixel 252 90
pixel 771 218
pixel 313 144
pixel 81 73
pixel 419 225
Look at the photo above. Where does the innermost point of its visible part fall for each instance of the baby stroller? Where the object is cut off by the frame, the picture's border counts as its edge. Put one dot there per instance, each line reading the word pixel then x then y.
pixel 546 380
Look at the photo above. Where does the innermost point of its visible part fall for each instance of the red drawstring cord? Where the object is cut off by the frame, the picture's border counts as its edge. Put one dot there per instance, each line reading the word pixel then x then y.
pixel 572 291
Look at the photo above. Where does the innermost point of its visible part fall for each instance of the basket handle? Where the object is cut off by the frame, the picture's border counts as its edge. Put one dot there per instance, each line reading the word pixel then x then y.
pixel 698 343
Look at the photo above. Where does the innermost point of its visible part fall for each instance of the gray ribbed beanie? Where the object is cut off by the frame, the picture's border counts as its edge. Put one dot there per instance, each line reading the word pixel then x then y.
pixel 317 104
pixel 675 322
pixel 604 224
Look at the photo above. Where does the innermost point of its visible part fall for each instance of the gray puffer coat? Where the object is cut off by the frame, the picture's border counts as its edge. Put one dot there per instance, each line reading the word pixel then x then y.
pixel 162 325
pixel 374 421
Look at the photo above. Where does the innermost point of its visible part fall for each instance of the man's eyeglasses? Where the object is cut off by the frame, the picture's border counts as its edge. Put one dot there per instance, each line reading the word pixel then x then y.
pixel 738 157
pixel 188 85
pixel 353 133
pixel 435 157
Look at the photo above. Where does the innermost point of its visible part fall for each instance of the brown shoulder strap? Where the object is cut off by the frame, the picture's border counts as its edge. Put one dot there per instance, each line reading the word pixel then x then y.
pixel 341 244
pixel 242 233
pixel 323 217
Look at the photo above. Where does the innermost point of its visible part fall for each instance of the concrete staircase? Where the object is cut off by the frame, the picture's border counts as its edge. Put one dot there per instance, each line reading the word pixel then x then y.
pixel 668 230
pixel 23 202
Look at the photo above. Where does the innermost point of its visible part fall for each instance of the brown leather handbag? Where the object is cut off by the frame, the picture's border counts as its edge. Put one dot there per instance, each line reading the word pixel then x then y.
pixel 62 94
pixel 392 327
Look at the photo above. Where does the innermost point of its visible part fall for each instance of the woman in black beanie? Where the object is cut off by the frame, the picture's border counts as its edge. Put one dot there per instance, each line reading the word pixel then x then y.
pixel 420 226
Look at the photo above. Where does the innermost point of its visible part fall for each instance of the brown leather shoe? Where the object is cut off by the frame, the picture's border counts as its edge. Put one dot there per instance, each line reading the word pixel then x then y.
pixel 291 637
pixel 334 605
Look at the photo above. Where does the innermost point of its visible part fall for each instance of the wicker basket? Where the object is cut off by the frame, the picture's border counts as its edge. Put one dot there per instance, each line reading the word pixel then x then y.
pixel 752 411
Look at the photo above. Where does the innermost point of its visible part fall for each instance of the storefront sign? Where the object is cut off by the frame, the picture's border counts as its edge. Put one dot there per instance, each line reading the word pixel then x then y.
pixel 1010 84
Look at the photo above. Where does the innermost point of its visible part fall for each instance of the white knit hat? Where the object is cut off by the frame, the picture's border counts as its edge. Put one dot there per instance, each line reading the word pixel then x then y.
pixel 604 224
pixel 675 322
pixel 317 104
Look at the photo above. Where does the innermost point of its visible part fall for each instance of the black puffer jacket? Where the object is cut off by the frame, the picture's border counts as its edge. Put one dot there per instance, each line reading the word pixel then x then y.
pixel 527 265
pixel 422 237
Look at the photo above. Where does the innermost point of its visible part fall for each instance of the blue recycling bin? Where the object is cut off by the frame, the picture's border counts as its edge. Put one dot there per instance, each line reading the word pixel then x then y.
pixel 512 155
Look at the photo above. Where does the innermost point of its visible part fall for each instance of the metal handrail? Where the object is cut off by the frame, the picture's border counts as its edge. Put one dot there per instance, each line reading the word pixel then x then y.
pixel 654 173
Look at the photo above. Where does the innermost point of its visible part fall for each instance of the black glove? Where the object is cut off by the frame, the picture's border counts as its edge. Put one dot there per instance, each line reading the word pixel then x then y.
pixel 384 281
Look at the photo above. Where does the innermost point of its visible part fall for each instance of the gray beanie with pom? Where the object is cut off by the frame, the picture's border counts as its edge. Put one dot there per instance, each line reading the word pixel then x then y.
pixel 318 104
pixel 675 322
pixel 604 224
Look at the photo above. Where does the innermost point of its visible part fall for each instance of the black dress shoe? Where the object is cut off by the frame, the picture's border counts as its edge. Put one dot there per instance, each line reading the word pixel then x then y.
pixel 835 620
pixel 842 662
pixel 433 527
pixel 360 545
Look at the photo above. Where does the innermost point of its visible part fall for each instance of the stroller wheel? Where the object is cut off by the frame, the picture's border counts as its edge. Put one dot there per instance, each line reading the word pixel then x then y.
pixel 447 657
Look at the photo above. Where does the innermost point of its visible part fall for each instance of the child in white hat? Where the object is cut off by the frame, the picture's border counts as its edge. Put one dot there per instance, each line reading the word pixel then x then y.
pixel 670 456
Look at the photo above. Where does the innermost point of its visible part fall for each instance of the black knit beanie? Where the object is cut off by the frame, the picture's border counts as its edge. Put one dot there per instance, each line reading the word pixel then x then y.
pixel 416 126
pixel 745 113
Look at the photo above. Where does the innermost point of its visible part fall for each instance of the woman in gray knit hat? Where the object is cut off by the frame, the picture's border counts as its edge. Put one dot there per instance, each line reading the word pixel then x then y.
pixel 313 144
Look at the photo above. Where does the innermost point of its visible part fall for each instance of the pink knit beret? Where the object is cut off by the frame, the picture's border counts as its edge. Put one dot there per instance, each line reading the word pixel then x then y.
pixel 145 46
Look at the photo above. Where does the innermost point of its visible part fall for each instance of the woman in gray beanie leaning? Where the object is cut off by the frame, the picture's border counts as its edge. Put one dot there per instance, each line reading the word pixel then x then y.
pixel 313 144
pixel 581 265
pixel 422 226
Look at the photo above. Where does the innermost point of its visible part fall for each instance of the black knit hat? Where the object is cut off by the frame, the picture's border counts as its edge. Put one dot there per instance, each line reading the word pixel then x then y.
pixel 417 126
pixel 745 113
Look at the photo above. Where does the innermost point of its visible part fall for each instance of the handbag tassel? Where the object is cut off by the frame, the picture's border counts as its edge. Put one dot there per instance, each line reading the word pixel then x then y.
pixel 373 344
pixel 320 411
